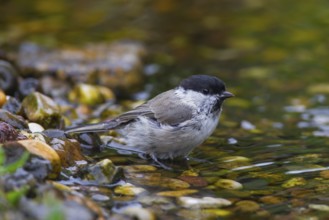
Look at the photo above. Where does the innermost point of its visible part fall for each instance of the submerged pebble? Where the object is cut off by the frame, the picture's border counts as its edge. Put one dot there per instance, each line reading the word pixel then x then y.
pixel 156 179
pixel 137 212
pixel 247 206
pixel 293 182
pixel 177 193
pixel 103 172
pixel 272 199
pixel 42 110
pixel 320 207
pixel 195 181
pixel 204 202
pixel 128 190
pixel 228 184
pixel 139 168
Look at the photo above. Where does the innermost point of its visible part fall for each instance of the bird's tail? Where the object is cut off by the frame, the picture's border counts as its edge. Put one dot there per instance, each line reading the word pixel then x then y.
pixel 98 127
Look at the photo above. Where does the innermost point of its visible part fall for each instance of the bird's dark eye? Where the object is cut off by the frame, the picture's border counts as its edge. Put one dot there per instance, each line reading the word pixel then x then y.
pixel 205 91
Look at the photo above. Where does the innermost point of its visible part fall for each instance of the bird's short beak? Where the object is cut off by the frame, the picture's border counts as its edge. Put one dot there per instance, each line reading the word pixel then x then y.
pixel 226 95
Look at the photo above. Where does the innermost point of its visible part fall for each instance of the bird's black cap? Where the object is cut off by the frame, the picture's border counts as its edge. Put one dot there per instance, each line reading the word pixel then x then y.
pixel 204 84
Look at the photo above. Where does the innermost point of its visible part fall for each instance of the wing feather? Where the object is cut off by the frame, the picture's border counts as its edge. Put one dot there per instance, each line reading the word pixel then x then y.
pixel 164 108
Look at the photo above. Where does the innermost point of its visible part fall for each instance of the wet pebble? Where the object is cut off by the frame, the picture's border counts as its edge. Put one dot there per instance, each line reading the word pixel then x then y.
pixel 90 94
pixel 155 179
pixel 54 133
pixel 177 193
pixel 272 199
pixel 42 110
pixel 138 213
pixel 128 190
pixel 100 198
pixel 247 206
pixel 217 212
pixel 2 98
pixel 232 162
pixel 293 182
pixel 103 172
pixel 319 207
pixel 37 148
pixel 139 168
pixel 35 127
pixel 12 119
pixel 228 184
pixel 203 213
pixel 195 181
pixel 68 150
pixel 8 133
pixel 325 174
pixel 204 202
pixel 156 200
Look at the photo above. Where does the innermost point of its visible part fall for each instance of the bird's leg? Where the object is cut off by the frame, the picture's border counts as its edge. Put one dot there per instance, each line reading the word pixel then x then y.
pixel 157 162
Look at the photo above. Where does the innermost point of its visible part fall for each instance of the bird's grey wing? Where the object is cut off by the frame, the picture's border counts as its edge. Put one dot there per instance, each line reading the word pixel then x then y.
pixel 165 108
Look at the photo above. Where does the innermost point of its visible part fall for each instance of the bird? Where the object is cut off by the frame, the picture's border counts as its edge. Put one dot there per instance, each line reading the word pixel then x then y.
pixel 171 124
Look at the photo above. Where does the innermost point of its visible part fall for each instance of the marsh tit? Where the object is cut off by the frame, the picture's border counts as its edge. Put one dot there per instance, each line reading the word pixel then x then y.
pixel 173 123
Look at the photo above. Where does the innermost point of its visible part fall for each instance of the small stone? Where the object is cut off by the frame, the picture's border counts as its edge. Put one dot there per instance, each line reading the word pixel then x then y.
pixel 204 202
pixel 2 98
pixel 296 181
pixel 189 173
pixel 272 199
pixel 139 168
pixel 35 127
pixel 90 94
pixel 217 212
pixel 14 120
pixel 128 190
pixel 247 206
pixel 40 149
pixel 195 181
pixel 155 179
pixel 319 207
pixel 60 186
pixel 325 174
pixel 103 172
pixel 42 110
pixel 247 125
pixel 138 213
pixel 177 193
pixel 8 133
pixel 155 200
pixel 68 150
pixel 228 184
pixel 100 198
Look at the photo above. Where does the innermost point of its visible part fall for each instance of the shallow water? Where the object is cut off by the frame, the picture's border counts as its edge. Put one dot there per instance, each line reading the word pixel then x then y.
pixel 272 137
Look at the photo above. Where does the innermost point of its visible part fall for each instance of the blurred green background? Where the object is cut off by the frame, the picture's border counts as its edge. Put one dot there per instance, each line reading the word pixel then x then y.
pixel 270 53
